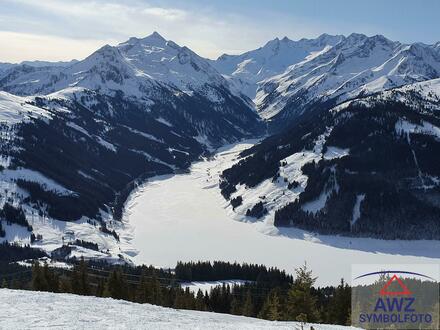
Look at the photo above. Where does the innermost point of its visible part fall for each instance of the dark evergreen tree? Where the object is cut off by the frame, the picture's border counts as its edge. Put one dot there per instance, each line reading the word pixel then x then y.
pixel 301 304
pixel 340 304
pixel 80 282
pixel 50 278
pixel 200 301
pixel 248 306
pixel 39 282
pixel 116 286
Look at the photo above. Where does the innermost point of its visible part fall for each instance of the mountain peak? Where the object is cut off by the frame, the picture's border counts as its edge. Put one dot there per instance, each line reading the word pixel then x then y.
pixel 155 34
pixel 105 51
pixel 383 40
pixel 356 36
pixel 153 38
pixel 325 36
pixel 272 42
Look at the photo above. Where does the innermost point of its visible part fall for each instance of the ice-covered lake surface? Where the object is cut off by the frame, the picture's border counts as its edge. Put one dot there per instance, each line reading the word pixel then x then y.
pixel 184 218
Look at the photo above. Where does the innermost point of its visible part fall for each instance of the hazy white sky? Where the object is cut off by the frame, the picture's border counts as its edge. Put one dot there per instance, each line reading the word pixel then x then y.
pixel 62 30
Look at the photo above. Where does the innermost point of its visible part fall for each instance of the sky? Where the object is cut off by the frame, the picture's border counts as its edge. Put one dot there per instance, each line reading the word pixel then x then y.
pixel 62 30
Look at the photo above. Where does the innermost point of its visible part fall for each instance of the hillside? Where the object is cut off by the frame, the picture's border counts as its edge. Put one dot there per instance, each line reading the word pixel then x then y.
pixel 353 115
pixel 364 168
pixel 42 310
pixel 287 78
pixel 78 137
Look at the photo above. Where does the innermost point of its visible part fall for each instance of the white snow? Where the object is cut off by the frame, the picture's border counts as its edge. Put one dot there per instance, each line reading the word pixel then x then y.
pixel 403 126
pixel 145 135
pixel 250 69
pixel 164 121
pixel 184 218
pixel 357 209
pixel 78 128
pixel 140 67
pixel 47 184
pixel 425 94
pixel 335 152
pixel 14 109
pixel 357 65
pixel 153 159
pixel 207 286
pixel 22 310
pixel 276 194
pixel 316 205
pixel 105 144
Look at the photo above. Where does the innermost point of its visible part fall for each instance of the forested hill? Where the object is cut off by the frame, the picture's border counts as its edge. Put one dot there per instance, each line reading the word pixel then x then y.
pixel 364 168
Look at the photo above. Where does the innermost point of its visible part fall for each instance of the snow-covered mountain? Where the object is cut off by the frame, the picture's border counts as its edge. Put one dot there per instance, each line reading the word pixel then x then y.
pixel 356 117
pixel 17 69
pixel 5 66
pixel 134 67
pixel 249 69
pixel 355 67
pixel 150 71
pixel 77 139
pixel 367 167
pixel 285 78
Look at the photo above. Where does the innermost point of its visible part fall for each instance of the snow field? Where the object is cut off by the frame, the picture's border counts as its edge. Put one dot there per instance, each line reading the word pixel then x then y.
pixel 20 310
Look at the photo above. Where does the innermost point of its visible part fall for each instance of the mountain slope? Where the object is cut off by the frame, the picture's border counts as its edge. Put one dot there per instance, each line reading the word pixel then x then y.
pixel 382 181
pixel 97 128
pixel 151 71
pixel 285 78
pixel 357 66
pixel 78 137
pixel 249 69
pixel 57 310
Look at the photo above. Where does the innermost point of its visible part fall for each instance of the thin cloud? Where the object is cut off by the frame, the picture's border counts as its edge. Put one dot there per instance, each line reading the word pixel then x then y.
pixel 23 46
pixel 207 32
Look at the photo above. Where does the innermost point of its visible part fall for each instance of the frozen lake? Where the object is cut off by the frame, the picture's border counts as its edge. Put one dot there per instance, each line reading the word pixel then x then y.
pixel 184 217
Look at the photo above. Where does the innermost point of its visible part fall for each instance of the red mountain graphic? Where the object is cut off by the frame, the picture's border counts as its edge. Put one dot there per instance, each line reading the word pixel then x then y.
pixel 385 292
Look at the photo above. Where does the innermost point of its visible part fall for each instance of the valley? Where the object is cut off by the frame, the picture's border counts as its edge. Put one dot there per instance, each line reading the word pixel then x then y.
pixel 184 218
pixel 346 168
pixel 259 165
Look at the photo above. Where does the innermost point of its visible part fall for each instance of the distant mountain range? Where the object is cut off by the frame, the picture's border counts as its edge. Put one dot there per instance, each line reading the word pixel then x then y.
pixel 285 77
pixel 354 124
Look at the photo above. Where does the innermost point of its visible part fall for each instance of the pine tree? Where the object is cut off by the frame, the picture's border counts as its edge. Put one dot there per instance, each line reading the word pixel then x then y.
pixel 179 300
pixel 156 291
pixel 51 278
pixel 340 304
pixel 248 306
pixel 143 291
pixel 80 281
pixel 39 282
pixel 5 284
pixel 116 286
pixel 65 284
pixel 100 288
pixel 15 284
pixel 236 306
pixel 200 301
pixel 301 304
pixel 272 309
pixel 274 312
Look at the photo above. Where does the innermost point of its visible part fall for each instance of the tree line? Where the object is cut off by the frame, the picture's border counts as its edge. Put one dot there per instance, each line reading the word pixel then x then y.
pixel 268 293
